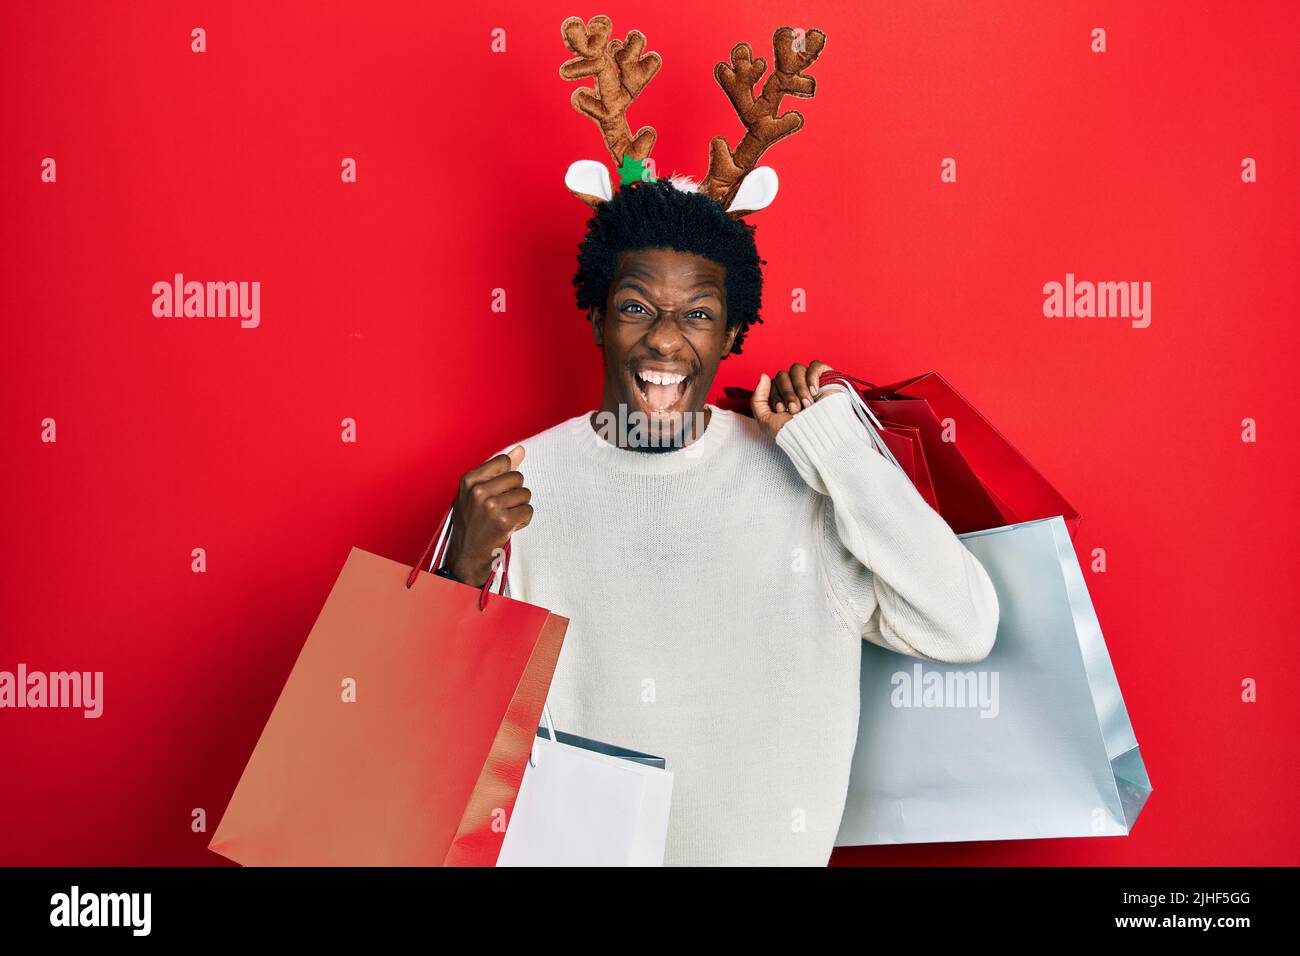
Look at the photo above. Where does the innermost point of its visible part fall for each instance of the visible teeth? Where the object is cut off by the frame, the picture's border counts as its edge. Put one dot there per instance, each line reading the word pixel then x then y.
pixel 660 378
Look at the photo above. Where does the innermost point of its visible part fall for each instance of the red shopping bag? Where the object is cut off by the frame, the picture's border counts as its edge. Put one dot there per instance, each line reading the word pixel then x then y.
pixel 903 440
pixel 959 462
pixel 422 766
pixel 982 481
pixel 964 502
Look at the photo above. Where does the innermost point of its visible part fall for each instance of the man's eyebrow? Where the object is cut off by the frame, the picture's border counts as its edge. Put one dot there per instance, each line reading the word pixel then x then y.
pixel 636 272
pixel 703 282
pixel 624 283
pixel 712 294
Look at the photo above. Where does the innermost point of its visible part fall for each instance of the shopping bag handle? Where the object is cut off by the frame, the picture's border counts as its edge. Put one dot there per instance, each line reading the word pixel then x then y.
pixel 736 391
pixel 833 373
pixel 841 380
pixel 550 732
pixel 441 539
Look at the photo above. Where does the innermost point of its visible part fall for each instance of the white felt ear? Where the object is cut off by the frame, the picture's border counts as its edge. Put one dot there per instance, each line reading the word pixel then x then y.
pixel 587 177
pixel 757 190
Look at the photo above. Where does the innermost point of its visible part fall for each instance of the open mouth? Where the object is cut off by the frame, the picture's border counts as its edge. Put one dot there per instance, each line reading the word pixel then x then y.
pixel 661 392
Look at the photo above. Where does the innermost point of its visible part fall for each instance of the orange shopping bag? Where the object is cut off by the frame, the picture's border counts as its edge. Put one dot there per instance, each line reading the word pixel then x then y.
pixel 421 764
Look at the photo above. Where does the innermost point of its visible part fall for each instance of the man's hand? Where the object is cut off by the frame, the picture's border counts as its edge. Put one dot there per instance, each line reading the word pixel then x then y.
pixel 795 390
pixel 491 505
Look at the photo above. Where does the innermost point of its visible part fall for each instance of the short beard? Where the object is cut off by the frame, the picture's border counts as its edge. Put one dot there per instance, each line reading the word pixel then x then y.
pixel 653 448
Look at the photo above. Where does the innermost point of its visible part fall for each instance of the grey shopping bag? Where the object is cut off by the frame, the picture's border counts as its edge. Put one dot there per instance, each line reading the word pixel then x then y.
pixel 1034 741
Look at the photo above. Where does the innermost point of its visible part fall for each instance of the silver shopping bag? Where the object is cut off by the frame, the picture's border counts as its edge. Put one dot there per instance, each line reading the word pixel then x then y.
pixel 1033 741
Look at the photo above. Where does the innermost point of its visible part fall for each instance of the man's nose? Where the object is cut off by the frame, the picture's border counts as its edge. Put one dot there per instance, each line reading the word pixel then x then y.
pixel 665 336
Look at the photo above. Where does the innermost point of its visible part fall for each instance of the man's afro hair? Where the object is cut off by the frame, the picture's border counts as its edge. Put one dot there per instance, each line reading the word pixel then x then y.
pixel 656 214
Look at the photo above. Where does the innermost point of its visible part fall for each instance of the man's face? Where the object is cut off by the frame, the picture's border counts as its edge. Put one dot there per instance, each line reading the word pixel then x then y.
pixel 663 332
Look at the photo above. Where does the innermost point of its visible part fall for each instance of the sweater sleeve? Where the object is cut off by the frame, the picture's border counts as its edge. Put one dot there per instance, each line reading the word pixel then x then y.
pixel 893 566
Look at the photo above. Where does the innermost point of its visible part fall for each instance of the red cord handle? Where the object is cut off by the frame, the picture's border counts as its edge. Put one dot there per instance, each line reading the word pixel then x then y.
pixel 831 375
pixel 437 562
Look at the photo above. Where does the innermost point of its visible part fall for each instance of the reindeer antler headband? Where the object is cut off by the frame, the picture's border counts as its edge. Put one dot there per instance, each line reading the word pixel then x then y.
pixel 622 69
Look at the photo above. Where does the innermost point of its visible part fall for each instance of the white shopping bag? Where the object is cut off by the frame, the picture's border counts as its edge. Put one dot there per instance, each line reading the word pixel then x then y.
pixel 579 806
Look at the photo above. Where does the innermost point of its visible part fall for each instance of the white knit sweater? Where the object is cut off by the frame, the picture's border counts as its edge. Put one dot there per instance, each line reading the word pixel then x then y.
pixel 718 595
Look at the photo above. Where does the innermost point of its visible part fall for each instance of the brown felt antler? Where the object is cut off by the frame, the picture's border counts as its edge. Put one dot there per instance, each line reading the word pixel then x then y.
pixel 763 127
pixel 622 69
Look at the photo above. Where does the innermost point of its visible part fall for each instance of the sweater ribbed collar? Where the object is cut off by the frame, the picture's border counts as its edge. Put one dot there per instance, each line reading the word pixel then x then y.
pixel 589 443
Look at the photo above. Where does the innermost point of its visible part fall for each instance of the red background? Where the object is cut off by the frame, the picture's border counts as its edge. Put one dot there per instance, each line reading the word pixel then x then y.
pixel 175 434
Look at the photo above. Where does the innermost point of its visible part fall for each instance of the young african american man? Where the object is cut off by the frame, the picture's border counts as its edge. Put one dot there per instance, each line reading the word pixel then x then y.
pixel 720 575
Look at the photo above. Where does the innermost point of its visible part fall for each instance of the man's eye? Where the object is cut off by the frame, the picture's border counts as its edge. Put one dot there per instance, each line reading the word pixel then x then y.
pixel 699 315
pixel 635 305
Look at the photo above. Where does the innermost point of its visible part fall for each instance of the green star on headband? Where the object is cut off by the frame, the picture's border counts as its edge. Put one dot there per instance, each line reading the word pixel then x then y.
pixel 633 171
